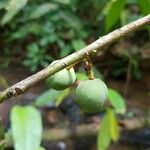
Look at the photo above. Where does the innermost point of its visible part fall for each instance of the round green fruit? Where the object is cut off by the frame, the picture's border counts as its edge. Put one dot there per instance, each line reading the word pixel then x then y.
pixel 62 79
pixel 91 95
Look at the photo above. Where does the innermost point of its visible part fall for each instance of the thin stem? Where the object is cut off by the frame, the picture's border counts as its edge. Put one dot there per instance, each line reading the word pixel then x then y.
pixel 89 67
pixel 24 85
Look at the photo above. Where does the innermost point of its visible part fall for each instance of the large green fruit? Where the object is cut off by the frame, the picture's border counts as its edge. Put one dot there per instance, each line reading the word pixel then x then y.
pixel 91 95
pixel 62 79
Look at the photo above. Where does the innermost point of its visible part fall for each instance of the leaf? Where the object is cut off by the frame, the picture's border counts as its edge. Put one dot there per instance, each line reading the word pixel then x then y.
pixel 109 130
pixel 104 139
pixel 117 101
pixel 78 44
pixel 47 97
pixel 41 148
pixel 42 10
pixel 60 97
pixel 81 76
pixel 14 6
pixel 112 12
pixel 114 128
pixel 26 125
pixel 144 6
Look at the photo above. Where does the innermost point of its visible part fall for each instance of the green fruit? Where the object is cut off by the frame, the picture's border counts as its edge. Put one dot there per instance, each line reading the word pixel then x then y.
pixel 62 79
pixel 91 95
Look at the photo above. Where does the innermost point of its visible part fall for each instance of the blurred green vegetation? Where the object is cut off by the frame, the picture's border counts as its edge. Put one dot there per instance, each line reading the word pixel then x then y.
pixel 36 32
pixel 39 31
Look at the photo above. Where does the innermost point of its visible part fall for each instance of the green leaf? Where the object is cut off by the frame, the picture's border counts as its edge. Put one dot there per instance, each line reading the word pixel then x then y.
pixel 114 128
pixel 60 97
pixel 104 139
pixel 26 125
pixel 42 10
pixel 144 6
pixel 14 6
pixel 117 101
pixel 41 148
pixel 81 76
pixel 112 12
pixel 47 97
pixel 78 44
pixel 109 130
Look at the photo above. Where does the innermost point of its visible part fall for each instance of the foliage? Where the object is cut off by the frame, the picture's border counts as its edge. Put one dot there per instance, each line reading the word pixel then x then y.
pixel 117 101
pixel 52 97
pixel 128 59
pixel 25 128
pixel 112 13
pixel 41 31
pixel 109 130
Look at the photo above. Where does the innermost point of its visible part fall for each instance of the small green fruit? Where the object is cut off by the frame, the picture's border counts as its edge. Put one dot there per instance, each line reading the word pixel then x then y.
pixel 62 79
pixel 91 95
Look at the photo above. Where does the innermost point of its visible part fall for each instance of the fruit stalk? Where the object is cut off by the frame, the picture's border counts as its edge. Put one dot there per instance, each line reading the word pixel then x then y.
pixel 89 67
pixel 24 85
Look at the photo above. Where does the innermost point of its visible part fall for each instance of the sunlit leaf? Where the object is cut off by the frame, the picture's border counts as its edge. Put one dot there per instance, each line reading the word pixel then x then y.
pixel 81 76
pixel 112 13
pixel 60 97
pixel 114 128
pixel 14 6
pixel 41 148
pixel 109 130
pixel 47 97
pixel 26 125
pixel 117 101
pixel 144 6
pixel 42 10
pixel 104 138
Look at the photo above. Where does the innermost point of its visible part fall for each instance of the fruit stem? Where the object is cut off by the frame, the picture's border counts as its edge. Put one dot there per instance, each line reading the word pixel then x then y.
pixel 89 67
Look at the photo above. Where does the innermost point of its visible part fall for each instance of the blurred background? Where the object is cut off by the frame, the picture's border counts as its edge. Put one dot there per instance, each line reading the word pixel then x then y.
pixel 35 33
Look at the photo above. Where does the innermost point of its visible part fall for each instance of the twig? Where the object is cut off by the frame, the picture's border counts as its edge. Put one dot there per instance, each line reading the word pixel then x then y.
pixel 106 40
